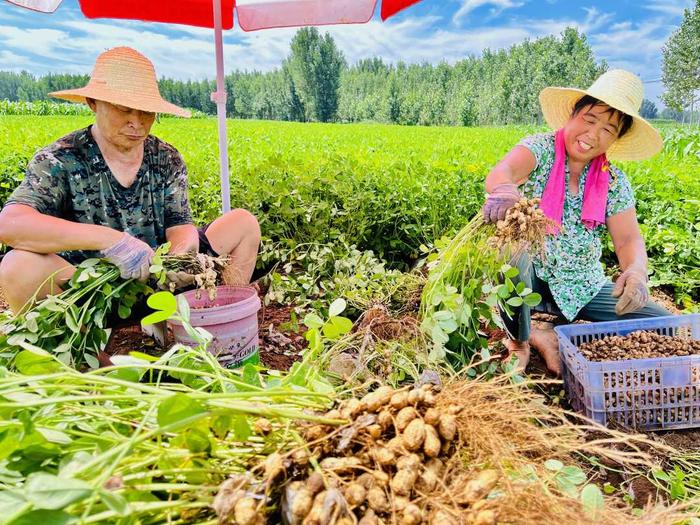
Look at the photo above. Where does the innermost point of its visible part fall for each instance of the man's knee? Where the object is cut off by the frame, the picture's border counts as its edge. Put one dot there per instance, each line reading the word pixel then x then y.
pixel 16 267
pixel 245 222
pixel 20 268
pixel 248 222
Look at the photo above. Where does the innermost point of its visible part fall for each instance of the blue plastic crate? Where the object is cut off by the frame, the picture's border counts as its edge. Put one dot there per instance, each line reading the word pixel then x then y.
pixel 646 394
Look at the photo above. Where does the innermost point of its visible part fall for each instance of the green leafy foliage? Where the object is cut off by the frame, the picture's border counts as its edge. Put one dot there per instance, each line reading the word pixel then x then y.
pixel 96 446
pixel 468 280
pixel 71 326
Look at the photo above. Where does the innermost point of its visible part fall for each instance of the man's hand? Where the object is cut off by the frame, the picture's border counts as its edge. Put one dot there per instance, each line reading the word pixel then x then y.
pixel 178 280
pixel 631 288
pixel 131 256
pixel 499 201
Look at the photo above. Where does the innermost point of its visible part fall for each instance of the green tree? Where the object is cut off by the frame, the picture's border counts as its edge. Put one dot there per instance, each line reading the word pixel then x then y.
pixel 649 109
pixel 315 64
pixel 681 61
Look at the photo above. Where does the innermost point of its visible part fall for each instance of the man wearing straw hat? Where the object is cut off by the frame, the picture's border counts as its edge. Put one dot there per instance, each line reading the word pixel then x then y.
pixel 111 190
pixel 583 194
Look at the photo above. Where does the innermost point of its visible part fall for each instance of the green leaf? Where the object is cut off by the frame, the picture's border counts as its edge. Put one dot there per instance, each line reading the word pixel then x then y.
pixel 592 500
pixel 123 311
pixel 145 357
pixel 221 425
pixel 71 319
pixel 533 299
pixel 449 325
pixel 341 326
pixel 164 301
pixel 573 474
pixel 155 317
pixel 511 272
pixel 515 301
pixel 183 307
pixel 45 517
pixel 115 502
pixel 503 291
pixel 46 491
pixel 11 503
pixel 241 428
pixel 89 263
pixel 54 436
pixel 313 320
pixel 177 408
pixel 197 440
pixel 91 361
pixel 251 376
pixel 337 307
pixel 554 465
pixel 31 362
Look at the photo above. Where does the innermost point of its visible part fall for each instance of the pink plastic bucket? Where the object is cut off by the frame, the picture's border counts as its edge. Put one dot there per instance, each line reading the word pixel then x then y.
pixel 232 320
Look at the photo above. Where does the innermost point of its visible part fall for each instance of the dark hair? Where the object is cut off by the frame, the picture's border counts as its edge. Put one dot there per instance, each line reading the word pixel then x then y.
pixel 587 100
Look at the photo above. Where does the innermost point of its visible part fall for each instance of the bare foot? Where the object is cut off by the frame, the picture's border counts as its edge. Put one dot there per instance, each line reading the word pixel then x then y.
pixel 519 349
pixel 547 344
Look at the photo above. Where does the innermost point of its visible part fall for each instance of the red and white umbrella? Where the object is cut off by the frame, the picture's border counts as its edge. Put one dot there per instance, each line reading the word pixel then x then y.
pixel 252 15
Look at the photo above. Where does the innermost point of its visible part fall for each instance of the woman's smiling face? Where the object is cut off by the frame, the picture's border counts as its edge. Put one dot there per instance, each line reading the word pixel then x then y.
pixel 591 131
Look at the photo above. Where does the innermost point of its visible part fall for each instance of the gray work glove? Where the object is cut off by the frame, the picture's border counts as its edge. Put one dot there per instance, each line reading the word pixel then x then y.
pixel 131 256
pixel 177 280
pixel 499 201
pixel 631 288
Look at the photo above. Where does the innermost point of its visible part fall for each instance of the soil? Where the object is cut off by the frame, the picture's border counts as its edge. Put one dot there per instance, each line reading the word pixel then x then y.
pixel 280 347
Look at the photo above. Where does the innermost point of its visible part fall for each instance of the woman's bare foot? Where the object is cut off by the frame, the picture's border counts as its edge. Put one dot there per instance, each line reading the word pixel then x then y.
pixel 547 344
pixel 519 349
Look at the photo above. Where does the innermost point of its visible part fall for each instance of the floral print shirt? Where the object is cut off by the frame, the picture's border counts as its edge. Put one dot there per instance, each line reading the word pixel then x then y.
pixel 571 262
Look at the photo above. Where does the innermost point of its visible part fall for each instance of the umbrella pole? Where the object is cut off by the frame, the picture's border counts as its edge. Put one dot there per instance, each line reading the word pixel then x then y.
pixel 219 97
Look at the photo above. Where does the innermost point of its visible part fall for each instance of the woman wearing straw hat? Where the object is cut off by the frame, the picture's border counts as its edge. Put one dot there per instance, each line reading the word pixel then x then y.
pixel 583 194
pixel 111 190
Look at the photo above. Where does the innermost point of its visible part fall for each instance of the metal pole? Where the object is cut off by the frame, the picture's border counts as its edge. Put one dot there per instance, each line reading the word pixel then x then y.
pixel 219 97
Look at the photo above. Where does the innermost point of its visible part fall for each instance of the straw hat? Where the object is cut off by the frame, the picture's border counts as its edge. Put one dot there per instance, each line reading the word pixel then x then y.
pixel 123 76
pixel 619 89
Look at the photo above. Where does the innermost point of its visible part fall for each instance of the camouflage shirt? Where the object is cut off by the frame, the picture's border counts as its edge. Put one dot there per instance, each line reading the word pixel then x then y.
pixel 70 179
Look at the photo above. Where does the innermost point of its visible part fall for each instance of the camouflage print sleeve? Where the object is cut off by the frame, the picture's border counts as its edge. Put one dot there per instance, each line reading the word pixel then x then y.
pixel 44 185
pixel 177 204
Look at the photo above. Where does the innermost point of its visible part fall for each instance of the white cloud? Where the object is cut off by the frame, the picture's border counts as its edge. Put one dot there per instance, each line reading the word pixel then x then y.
pixel 70 43
pixel 672 8
pixel 470 5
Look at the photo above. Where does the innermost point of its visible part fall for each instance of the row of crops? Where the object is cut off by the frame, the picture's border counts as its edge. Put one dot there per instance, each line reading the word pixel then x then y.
pixel 394 191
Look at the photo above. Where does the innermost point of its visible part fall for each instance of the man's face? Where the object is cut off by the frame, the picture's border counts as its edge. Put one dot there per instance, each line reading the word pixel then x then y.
pixel 591 132
pixel 124 128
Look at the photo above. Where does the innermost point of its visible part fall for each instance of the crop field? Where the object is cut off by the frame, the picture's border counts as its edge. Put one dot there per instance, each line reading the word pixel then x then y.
pixel 388 189
pixel 376 277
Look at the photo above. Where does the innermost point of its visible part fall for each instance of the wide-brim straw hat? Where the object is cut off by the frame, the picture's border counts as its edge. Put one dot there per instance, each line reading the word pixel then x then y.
pixel 123 76
pixel 619 89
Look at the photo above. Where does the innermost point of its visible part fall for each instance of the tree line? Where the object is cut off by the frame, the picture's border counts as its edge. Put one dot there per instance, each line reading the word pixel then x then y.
pixel 315 83
pixel 681 66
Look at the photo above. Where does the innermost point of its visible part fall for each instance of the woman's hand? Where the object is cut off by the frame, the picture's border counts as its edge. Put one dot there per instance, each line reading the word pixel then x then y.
pixel 499 201
pixel 631 288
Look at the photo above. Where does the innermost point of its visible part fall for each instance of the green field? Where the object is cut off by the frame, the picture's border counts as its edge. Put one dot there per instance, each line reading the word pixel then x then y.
pixel 388 189
pixel 345 211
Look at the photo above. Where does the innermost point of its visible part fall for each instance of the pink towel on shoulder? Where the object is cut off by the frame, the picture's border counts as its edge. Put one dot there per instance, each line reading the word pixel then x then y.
pixel 595 192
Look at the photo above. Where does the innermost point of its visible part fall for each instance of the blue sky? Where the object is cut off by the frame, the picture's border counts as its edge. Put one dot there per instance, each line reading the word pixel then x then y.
pixel 626 33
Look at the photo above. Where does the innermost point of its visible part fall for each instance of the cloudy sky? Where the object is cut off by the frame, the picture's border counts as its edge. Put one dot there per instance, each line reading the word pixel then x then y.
pixel 626 33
